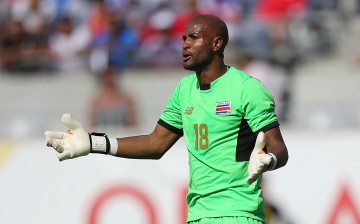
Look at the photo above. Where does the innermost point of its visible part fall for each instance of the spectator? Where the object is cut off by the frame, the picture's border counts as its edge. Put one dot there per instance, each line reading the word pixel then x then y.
pixel 253 37
pixel 135 14
pixel 77 9
pixel 18 53
pixel 4 13
pixel 111 106
pixel 98 19
pixel 68 45
pixel 229 10
pixel 187 10
pixel 35 16
pixel 262 70
pixel 115 44
pixel 160 44
pixel 278 15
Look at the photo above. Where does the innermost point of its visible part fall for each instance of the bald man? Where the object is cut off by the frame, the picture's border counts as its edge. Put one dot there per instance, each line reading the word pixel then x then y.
pixel 228 122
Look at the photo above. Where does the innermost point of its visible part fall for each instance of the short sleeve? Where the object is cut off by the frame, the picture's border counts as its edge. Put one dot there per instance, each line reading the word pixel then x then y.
pixel 172 113
pixel 258 105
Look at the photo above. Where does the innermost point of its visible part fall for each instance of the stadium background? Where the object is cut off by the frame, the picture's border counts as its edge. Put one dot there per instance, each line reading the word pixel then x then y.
pixel 319 185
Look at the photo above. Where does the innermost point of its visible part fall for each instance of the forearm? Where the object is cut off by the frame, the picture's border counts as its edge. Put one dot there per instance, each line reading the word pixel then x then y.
pixel 152 146
pixel 139 147
pixel 281 154
pixel 276 146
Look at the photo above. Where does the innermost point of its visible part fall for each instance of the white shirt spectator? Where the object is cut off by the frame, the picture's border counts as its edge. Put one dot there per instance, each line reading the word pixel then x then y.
pixel 68 45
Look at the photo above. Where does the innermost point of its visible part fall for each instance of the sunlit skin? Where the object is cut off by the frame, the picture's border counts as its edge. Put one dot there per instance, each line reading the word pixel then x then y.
pixel 202 49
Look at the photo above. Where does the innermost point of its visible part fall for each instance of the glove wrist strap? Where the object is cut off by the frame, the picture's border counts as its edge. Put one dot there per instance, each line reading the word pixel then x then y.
pixel 273 162
pixel 101 143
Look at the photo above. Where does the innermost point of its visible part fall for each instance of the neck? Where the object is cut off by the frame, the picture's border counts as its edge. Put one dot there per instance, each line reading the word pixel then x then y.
pixel 211 72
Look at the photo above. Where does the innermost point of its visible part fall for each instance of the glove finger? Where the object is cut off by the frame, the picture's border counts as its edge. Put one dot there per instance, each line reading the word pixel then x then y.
pixel 50 142
pixel 64 155
pixel 260 141
pixel 70 123
pixel 58 145
pixel 54 134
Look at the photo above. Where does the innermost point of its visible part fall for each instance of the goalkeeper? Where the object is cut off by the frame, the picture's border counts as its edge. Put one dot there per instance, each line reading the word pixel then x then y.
pixel 228 122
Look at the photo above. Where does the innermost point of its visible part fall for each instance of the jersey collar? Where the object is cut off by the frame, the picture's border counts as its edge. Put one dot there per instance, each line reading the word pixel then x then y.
pixel 207 86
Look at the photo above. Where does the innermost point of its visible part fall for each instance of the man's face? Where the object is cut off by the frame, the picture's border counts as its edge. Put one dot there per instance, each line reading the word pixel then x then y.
pixel 197 51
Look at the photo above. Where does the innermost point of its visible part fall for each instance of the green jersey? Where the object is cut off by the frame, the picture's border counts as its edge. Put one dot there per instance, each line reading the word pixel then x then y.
pixel 220 122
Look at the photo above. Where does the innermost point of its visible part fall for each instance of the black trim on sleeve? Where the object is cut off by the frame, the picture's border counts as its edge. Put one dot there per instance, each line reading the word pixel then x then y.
pixel 269 126
pixel 246 139
pixel 171 128
pixel 245 142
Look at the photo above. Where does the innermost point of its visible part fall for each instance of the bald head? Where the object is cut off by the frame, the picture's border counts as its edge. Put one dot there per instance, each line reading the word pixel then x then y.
pixel 204 41
pixel 214 26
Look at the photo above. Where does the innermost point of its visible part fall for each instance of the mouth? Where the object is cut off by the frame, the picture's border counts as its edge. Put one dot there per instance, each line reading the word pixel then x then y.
pixel 186 57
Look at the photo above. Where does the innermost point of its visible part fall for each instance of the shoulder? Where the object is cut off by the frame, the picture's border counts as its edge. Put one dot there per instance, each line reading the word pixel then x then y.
pixel 245 83
pixel 188 78
pixel 187 81
pixel 240 77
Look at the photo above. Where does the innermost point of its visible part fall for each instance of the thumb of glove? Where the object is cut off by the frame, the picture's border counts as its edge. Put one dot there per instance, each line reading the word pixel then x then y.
pixel 72 124
pixel 260 142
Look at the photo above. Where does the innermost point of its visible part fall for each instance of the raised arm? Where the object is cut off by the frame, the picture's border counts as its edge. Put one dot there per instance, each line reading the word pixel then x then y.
pixel 152 146
pixel 77 142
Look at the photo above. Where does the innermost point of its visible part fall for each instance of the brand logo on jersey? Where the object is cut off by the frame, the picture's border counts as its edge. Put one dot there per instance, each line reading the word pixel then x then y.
pixel 223 107
pixel 189 110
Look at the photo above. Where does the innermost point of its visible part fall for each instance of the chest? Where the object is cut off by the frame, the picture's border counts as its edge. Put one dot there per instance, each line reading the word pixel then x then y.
pixel 216 108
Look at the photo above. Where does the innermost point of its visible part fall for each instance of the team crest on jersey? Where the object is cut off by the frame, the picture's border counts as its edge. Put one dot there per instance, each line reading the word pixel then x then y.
pixel 223 107
pixel 189 110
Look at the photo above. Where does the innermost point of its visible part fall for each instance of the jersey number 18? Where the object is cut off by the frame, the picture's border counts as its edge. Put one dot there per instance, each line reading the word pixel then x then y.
pixel 201 136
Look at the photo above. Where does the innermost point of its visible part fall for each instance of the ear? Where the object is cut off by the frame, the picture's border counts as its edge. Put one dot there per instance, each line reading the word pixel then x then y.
pixel 217 43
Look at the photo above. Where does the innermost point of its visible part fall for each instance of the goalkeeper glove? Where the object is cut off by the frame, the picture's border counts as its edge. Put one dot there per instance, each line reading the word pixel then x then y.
pixel 259 160
pixel 77 142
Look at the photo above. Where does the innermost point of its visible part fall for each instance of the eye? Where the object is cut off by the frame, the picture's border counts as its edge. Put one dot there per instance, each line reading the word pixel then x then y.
pixel 193 36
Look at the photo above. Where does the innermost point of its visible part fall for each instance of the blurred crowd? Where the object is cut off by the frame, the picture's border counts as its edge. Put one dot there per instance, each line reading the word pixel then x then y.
pixel 98 36
pixel 70 35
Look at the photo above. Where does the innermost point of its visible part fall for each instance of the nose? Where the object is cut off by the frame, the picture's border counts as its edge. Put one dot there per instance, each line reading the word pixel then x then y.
pixel 185 45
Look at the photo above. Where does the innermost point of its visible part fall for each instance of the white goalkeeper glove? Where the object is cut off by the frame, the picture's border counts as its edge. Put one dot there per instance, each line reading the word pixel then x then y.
pixel 77 142
pixel 259 160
